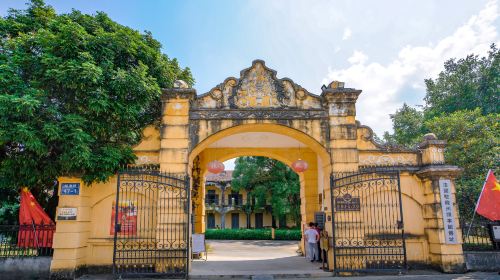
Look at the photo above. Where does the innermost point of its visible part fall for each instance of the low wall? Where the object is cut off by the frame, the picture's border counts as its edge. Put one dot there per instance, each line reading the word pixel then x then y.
pixel 482 261
pixel 25 268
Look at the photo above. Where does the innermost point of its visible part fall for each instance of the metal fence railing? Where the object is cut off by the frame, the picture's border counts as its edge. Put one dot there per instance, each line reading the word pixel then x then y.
pixel 478 236
pixel 17 241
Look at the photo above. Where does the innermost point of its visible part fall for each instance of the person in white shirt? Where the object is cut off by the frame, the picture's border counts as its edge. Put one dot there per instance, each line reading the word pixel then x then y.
pixel 312 237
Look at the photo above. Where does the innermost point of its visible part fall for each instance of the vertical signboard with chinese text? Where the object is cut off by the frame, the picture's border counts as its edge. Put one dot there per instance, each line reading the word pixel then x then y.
pixel 450 230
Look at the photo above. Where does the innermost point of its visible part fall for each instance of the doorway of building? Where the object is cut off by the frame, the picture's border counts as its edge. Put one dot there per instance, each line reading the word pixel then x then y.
pixel 210 221
pixel 259 220
pixel 235 220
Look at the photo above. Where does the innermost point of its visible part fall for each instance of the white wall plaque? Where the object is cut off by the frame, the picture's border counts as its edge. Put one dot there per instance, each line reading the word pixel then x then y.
pixel 450 230
pixel 66 214
pixel 496 233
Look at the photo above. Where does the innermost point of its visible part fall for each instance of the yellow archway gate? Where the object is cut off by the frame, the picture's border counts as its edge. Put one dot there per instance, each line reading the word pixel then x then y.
pixel 197 128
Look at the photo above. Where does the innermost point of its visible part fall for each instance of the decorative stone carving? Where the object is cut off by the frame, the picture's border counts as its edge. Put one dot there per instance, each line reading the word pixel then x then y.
pixel 180 84
pixel 366 134
pixel 257 87
pixel 388 159
pixel 234 114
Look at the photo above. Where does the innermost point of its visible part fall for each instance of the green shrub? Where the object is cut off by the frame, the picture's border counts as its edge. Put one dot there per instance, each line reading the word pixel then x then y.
pixel 288 234
pixel 252 234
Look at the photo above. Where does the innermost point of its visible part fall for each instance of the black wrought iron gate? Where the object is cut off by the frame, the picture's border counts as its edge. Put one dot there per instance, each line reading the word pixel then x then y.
pixel 368 230
pixel 151 224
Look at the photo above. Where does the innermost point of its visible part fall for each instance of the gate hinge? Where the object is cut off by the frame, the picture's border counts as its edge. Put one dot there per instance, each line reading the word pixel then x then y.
pixel 118 228
pixel 400 225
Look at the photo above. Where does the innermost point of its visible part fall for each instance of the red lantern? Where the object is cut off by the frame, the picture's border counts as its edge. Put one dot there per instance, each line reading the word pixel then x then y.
pixel 300 165
pixel 215 167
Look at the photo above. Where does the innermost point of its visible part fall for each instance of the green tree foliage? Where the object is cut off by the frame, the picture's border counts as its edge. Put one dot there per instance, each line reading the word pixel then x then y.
pixel 267 179
pixel 408 127
pixel 474 144
pixel 466 84
pixel 462 106
pixel 76 91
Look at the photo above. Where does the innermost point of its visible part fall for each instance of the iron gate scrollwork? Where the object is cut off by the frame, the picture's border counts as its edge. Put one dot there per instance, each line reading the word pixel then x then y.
pixel 368 229
pixel 151 224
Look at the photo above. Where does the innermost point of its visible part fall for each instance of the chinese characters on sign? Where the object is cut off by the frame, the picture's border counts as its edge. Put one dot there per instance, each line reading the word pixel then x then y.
pixel 70 188
pixel 450 230
pixel 66 214
pixel 347 203
pixel 127 218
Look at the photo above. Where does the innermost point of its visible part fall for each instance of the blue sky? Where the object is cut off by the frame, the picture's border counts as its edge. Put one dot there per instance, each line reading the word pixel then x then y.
pixel 385 48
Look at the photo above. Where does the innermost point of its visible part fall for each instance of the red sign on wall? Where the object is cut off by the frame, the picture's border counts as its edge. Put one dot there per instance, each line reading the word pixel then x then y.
pixel 127 218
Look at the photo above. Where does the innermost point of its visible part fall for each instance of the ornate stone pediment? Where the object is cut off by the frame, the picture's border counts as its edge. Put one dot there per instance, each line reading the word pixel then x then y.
pixel 257 87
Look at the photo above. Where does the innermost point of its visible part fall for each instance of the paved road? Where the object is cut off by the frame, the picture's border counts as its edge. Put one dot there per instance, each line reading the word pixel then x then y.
pixel 251 257
pixel 259 259
pixel 430 276
pixel 263 260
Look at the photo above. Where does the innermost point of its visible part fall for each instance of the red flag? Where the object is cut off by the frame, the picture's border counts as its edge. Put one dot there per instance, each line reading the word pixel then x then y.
pixel 488 204
pixel 35 225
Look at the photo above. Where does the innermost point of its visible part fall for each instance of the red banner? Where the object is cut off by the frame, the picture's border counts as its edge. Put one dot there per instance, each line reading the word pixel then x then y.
pixel 127 218
pixel 36 228
pixel 488 205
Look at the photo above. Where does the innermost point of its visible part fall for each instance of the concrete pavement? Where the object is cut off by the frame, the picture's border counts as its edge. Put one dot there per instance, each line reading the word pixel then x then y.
pixel 244 258
pixel 266 260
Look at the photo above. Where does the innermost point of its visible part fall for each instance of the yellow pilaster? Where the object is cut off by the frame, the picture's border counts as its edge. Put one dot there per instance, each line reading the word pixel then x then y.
pixel 174 150
pixel 70 238
pixel 341 104
pixel 445 255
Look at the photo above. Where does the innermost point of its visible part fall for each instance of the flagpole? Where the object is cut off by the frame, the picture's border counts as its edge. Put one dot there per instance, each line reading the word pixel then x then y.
pixel 477 204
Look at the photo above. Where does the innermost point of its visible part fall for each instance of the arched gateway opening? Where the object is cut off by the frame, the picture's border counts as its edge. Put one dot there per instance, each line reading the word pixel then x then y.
pixel 383 206
pixel 275 141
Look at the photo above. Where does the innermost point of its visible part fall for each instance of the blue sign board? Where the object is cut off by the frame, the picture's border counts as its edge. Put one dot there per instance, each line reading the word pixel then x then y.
pixel 70 188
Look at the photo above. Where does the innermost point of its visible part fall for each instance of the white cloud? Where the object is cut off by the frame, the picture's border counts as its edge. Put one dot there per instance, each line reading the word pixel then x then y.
pixel 347 33
pixel 358 57
pixel 230 164
pixel 384 85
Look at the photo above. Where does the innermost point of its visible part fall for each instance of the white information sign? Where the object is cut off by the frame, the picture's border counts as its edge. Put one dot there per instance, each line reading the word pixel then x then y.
pixel 450 230
pixel 198 243
pixel 496 233
pixel 66 213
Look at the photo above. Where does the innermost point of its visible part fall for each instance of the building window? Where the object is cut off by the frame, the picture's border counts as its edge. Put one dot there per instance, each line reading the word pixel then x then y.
pixel 211 197
pixel 235 198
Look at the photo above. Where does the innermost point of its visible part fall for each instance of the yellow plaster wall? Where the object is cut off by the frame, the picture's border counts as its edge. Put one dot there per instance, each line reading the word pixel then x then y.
pixel 267 219
pixel 242 219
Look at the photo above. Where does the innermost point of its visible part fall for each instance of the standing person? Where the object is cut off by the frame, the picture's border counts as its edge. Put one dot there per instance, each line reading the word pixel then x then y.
pixel 318 229
pixel 312 237
pixel 325 244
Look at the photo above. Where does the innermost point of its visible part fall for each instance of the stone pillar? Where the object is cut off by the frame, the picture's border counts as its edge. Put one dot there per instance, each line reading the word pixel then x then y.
pixel 174 149
pixel 223 206
pixel 341 103
pixel 200 208
pixel 70 238
pixel 175 129
pixel 442 226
